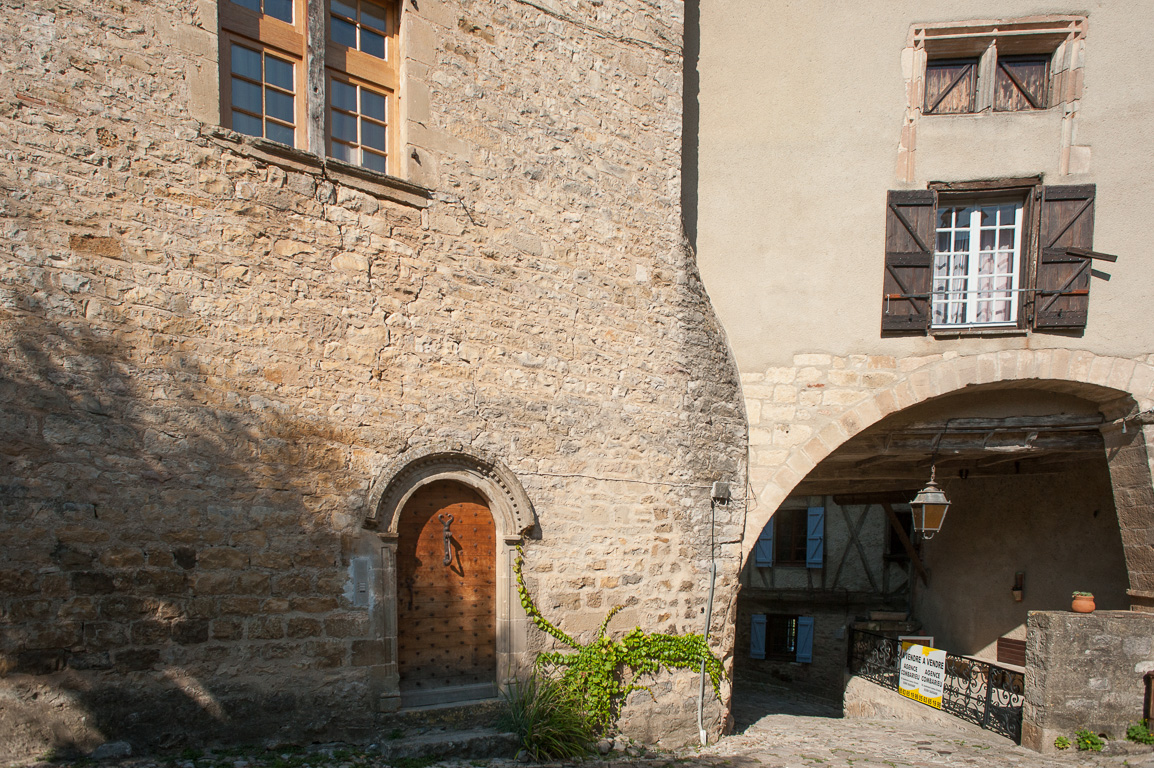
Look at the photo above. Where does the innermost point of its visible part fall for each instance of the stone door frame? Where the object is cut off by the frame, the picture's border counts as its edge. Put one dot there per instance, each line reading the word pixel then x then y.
pixel 513 516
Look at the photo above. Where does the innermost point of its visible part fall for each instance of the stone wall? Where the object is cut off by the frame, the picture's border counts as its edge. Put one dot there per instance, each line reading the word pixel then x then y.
pixel 1085 671
pixel 213 346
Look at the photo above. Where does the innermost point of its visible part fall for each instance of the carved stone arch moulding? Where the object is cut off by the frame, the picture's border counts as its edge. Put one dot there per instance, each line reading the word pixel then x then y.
pixel 417 467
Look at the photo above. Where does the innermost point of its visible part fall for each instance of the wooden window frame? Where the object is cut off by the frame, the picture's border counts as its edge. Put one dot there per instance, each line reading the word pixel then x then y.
pixel 368 71
pixel 972 298
pixel 781 637
pixel 359 145
pixel 312 110
pixel 267 34
pixel 300 109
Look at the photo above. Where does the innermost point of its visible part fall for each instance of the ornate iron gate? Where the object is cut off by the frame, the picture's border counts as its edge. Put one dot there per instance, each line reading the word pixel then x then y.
pixel 977 691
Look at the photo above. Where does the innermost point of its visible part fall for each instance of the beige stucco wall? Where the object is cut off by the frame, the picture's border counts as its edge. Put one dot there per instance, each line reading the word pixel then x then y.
pixel 805 124
pixel 802 107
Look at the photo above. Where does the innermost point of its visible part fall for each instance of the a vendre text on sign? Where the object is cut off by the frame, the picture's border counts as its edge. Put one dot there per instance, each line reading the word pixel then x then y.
pixel 923 675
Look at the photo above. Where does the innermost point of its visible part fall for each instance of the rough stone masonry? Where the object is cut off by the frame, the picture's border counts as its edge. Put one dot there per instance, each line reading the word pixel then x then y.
pixel 211 346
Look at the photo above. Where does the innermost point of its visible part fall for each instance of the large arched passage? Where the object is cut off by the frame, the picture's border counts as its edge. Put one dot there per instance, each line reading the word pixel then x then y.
pixel 1029 466
pixel 1120 389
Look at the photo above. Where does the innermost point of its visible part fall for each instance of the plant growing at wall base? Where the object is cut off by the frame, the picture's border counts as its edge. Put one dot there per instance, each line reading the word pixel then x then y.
pixel 1062 742
pixel 596 673
pixel 1087 741
pixel 1140 732
pixel 549 722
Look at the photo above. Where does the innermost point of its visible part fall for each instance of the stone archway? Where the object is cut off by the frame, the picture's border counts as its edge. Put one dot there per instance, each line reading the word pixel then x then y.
pixel 1122 388
pixel 409 478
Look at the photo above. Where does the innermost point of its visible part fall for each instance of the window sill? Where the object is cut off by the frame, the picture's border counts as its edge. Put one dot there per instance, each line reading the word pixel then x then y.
pixel 377 184
pixel 988 112
pixel 969 332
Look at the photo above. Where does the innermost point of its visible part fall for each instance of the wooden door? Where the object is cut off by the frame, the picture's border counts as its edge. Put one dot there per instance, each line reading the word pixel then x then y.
pixel 446 614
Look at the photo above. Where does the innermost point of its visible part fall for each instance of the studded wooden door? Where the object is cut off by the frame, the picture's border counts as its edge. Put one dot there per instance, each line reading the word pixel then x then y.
pixel 446 615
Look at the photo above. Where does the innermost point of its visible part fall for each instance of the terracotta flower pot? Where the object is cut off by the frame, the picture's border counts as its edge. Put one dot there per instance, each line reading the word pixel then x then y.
pixel 1082 604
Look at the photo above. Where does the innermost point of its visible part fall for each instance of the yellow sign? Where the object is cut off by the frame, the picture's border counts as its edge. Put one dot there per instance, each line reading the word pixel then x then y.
pixel 923 675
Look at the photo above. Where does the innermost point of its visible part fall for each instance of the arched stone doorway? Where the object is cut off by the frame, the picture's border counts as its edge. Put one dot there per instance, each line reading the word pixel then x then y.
pixel 404 532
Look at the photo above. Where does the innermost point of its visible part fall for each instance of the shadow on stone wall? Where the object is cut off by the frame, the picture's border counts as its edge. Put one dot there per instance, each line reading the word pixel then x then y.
pixel 170 567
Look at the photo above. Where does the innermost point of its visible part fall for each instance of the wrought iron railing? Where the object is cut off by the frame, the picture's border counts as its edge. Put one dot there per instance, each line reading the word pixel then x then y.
pixel 977 691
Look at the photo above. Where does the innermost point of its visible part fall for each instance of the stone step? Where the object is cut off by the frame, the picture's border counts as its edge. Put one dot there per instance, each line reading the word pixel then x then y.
pixel 461 716
pixel 442 744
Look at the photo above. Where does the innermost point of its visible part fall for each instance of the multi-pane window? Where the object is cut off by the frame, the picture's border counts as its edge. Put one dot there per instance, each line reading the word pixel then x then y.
pixel 780 636
pixel 277 9
pixel 976 264
pixel 359 125
pixel 361 25
pixel 361 58
pixel 263 59
pixel 263 94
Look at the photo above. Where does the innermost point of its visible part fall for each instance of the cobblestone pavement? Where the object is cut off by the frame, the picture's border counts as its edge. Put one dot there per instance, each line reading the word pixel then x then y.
pixel 774 731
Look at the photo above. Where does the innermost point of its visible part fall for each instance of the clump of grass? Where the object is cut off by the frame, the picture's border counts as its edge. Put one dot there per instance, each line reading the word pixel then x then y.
pixel 547 719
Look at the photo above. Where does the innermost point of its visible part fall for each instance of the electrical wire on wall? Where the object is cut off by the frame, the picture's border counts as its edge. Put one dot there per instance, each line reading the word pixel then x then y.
pixel 719 494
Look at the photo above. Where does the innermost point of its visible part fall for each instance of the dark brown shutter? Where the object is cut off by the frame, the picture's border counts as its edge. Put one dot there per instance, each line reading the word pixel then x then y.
pixel 909 260
pixel 1063 278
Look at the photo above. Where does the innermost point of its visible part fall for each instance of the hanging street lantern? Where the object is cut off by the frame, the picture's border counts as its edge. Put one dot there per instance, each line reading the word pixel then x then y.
pixel 929 507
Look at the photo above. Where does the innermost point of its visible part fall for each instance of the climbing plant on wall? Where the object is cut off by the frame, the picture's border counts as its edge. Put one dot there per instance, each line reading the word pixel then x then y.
pixel 602 672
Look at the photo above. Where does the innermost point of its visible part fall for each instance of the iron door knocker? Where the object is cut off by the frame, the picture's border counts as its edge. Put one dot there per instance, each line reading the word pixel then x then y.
pixel 448 539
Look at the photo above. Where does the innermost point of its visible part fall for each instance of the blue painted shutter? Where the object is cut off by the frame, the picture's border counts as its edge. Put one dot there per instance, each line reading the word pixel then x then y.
pixel 815 538
pixel 757 636
pixel 763 549
pixel 805 639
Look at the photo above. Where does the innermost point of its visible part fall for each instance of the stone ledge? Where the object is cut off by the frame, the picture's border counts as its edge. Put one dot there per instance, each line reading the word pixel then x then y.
pixel 378 185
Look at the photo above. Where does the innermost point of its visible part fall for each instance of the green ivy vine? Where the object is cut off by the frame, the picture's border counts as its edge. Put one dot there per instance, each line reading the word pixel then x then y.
pixel 596 672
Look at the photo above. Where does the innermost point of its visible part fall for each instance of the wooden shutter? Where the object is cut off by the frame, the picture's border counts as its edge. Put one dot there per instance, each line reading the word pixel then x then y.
pixel 1021 82
pixel 763 549
pixel 815 538
pixel 1062 299
pixel 757 636
pixel 909 260
pixel 950 86
pixel 805 639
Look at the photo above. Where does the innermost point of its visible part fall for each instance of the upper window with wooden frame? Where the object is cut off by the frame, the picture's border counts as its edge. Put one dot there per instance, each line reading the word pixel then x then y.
pixel 264 70
pixel 362 78
pixel 1000 66
pixel 971 256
